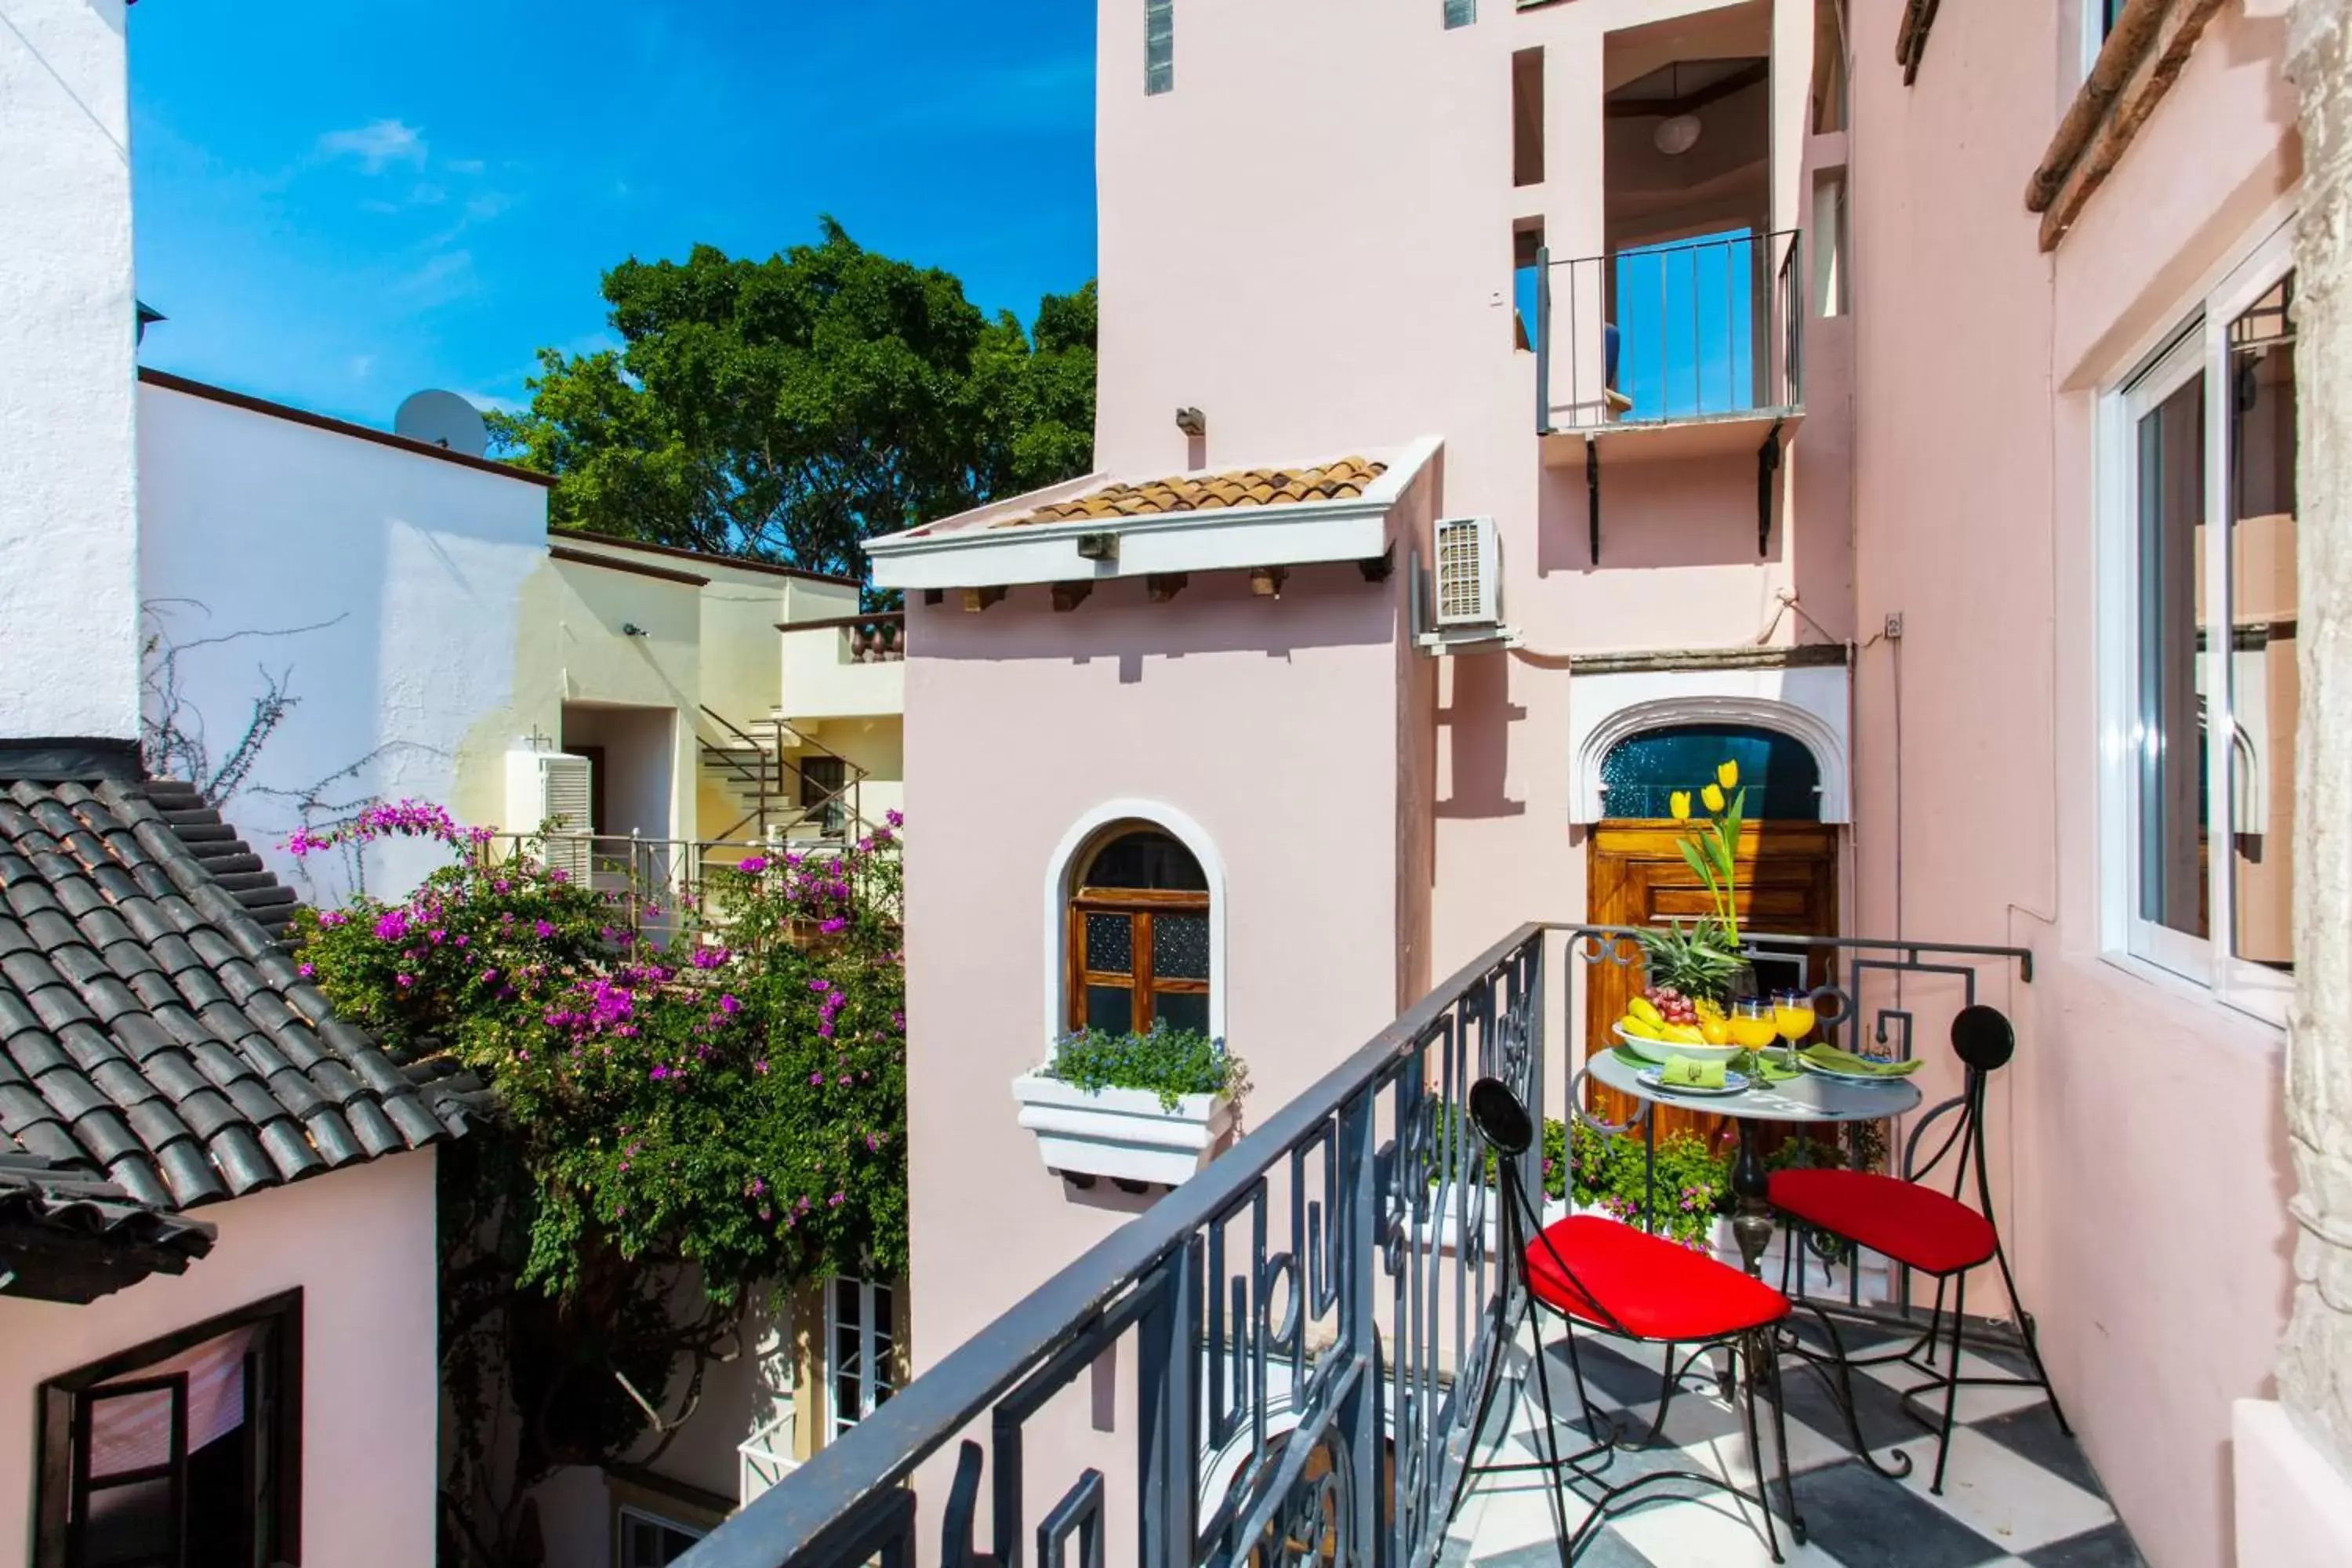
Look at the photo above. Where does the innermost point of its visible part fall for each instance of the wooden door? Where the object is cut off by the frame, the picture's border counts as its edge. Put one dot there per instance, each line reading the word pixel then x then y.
pixel 1636 876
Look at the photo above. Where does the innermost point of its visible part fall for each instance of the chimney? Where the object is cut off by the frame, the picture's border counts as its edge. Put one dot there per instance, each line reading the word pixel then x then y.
pixel 69 502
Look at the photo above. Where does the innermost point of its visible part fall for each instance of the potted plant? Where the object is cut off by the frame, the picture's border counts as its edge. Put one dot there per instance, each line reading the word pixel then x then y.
pixel 1138 1108
pixel 1694 970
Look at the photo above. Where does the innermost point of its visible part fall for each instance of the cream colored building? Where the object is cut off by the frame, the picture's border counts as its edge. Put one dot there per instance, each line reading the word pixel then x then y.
pixel 669 704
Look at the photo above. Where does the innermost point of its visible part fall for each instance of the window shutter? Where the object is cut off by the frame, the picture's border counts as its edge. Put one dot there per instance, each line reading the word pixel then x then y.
pixel 1460 13
pixel 563 793
pixel 1158 46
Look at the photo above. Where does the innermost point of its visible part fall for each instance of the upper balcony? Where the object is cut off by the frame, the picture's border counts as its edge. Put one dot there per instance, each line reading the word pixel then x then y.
pixel 1679 349
pixel 848 667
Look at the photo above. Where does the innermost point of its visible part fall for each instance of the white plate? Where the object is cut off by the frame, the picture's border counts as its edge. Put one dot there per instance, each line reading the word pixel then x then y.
pixel 1834 1076
pixel 1656 1080
pixel 1659 1050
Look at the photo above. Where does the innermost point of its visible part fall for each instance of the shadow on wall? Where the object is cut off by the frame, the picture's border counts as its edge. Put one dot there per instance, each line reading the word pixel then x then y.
pixel 1212 613
pixel 1690 511
pixel 1478 727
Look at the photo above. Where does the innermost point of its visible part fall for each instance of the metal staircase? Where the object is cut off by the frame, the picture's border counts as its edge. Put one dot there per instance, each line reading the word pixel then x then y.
pixel 786 785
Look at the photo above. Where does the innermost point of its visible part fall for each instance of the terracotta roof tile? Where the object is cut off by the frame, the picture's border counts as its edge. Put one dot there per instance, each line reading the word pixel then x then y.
pixel 1342 480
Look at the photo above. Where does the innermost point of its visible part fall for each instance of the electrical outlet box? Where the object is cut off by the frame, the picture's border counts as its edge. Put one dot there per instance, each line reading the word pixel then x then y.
pixel 1895 626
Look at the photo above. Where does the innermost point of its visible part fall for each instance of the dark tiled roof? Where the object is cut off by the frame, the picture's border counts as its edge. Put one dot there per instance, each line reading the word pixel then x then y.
pixel 152 1028
pixel 67 1236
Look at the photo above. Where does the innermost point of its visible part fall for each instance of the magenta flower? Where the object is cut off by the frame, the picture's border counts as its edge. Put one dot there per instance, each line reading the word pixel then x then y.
pixel 305 970
pixel 542 928
pixel 752 865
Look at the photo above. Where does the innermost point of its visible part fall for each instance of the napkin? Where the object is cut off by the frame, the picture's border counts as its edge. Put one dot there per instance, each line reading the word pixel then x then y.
pixel 1774 1067
pixel 1688 1072
pixel 1837 1060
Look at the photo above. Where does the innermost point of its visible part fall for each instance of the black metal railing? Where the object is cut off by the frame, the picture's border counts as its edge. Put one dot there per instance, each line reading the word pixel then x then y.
pixel 1706 329
pixel 1304 1320
pixel 1310 1320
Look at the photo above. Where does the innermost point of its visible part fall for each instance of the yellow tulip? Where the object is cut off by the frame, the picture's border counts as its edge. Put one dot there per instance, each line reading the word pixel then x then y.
pixel 1679 803
pixel 1727 776
pixel 1713 798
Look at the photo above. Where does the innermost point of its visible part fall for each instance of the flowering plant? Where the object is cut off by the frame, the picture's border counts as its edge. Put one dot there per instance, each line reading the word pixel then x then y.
pixel 1712 848
pixel 735 1100
pixel 1171 1063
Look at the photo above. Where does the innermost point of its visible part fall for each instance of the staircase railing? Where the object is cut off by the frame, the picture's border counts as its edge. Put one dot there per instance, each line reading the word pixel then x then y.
pixel 779 799
pixel 1308 1322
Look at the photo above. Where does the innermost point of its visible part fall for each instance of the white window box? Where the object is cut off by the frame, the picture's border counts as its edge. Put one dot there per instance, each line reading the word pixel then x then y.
pixel 1121 1133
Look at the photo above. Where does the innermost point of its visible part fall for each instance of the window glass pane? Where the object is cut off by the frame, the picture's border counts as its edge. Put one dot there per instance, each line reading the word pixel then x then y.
pixel 1180 946
pixel 1182 1010
pixel 129 1431
pixel 129 1524
pixel 1158 46
pixel 1148 860
pixel 1110 943
pixel 1460 13
pixel 1782 776
pixel 2264 687
pixel 1111 1008
pixel 2171 690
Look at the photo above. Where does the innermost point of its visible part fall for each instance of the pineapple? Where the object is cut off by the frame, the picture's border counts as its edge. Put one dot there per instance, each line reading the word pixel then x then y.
pixel 1690 969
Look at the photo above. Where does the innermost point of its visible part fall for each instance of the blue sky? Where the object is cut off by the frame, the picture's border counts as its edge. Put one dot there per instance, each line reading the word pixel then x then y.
pixel 337 205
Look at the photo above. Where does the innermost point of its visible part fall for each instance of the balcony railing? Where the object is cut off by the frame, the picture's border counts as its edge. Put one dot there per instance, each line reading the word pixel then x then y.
pixel 878 639
pixel 1309 1322
pixel 1706 328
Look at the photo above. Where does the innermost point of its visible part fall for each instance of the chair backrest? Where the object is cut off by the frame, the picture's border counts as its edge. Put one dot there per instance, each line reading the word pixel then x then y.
pixel 1984 1040
pixel 1508 1129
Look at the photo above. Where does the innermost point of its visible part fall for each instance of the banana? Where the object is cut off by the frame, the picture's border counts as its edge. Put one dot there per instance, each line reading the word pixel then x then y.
pixel 1642 1007
pixel 1642 1028
pixel 1685 1035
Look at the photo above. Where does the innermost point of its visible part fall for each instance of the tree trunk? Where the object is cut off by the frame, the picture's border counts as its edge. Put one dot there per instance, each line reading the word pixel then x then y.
pixel 2315 1370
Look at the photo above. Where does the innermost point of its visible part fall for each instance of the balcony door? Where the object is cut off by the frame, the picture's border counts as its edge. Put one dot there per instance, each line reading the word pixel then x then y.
pixel 1636 876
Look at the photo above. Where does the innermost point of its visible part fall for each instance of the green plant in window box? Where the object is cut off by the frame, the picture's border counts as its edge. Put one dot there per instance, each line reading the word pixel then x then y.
pixel 1170 1063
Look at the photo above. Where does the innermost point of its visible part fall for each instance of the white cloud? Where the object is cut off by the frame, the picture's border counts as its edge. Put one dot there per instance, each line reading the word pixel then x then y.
pixel 463 166
pixel 377 145
pixel 441 278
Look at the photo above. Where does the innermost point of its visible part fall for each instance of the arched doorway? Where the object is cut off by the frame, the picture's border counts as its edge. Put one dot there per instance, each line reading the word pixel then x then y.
pixel 1636 876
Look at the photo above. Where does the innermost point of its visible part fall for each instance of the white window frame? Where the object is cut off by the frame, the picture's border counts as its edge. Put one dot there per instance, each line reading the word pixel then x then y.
pixel 875 1342
pixel 2197 346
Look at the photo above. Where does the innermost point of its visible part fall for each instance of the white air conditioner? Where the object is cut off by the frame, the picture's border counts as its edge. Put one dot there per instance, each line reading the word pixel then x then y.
pixel 545 787
pixel 1469 573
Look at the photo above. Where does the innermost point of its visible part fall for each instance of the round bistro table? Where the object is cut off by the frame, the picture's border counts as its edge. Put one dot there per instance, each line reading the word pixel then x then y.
pixel 1807 1098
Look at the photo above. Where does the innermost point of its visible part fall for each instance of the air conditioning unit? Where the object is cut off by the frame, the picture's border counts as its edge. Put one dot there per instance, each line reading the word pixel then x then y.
pixel 1469 573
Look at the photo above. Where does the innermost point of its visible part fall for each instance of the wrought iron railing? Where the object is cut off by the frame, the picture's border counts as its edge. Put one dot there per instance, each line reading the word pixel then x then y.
pixel 774 772
pixel 1707 329
pixel 656 886
pixel 1305 1318
pixel 1310 1320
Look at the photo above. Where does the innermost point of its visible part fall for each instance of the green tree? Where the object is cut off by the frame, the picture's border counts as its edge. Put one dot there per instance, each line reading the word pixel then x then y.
pixel 791 408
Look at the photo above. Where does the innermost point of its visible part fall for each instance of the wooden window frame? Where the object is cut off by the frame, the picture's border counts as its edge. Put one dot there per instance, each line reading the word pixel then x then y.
pixel 1140 906
pixel 64 1427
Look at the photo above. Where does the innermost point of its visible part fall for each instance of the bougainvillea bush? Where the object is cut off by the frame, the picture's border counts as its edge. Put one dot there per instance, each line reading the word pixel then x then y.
pixel 736 1098
pixel 730 1103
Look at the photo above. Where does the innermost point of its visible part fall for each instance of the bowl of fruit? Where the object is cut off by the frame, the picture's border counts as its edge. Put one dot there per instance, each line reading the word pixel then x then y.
pixel 1663 1023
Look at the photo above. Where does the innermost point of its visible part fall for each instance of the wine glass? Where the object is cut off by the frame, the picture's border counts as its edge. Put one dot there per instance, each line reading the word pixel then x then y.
pixel 1752 1025
pixel 1792 1015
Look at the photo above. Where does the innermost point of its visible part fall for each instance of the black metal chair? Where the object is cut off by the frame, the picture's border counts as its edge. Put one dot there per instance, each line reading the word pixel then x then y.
pixel 1612 1279
pixel 1917 1226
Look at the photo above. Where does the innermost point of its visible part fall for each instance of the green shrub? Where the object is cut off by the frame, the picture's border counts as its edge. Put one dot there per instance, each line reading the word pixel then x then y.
pixel 1170 1063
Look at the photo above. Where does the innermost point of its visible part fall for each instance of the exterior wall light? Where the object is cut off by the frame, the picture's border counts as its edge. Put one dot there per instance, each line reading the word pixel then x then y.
pixel 1677 134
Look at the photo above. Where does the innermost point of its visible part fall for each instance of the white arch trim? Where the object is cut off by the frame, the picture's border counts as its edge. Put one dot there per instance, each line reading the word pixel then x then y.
pixel 1807 704
pixel 1059 870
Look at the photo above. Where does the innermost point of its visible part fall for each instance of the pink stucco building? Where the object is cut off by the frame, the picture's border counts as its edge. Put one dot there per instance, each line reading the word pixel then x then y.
pixel 1485 389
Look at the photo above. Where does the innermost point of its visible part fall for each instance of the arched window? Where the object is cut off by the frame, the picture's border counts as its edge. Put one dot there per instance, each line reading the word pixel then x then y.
pixel 1783 780
pixel 1138 934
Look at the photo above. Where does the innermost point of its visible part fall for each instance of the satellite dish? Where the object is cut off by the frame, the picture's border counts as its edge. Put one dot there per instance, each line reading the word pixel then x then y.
pixel 441 419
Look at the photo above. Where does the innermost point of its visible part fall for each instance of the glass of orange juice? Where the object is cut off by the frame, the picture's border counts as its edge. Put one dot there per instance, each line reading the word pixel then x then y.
pixel 1752 1025
pixel 1792 1015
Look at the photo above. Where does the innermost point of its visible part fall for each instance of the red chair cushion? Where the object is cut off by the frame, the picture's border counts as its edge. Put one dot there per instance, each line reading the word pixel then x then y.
pixel 1657 1289
pixel 1914 1225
